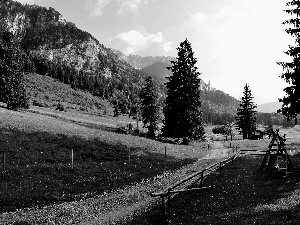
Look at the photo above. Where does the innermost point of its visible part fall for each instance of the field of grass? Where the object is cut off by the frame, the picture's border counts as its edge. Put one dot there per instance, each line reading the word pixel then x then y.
pixel 240 195
pixel 112 176
pixel 38 171
pixel 47 92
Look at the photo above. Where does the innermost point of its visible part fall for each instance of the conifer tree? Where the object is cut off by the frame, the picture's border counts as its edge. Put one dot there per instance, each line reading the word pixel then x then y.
pixel 12 67
pixel 246 115
pixel 291 70
pixel 150 108
pixel 183 116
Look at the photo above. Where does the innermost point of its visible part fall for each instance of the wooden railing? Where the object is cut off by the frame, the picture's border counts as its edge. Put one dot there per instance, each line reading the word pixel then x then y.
pixel 184 184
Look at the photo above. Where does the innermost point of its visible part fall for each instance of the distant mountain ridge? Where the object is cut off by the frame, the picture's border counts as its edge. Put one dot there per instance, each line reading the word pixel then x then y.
pixel 140 62
pixel 270 107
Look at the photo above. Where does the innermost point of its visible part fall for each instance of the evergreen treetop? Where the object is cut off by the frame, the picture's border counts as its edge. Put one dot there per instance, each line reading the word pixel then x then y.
pixel 291 70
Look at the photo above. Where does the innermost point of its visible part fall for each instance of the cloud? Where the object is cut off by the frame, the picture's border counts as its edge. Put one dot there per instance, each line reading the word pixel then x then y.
pixel 96 6
pixel 167 47
pixel 130 5
pixel 26 1
pixel 137 41
pixel 199 17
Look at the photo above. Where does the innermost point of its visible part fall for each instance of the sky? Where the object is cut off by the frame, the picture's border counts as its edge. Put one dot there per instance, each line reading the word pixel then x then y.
pixel 235 41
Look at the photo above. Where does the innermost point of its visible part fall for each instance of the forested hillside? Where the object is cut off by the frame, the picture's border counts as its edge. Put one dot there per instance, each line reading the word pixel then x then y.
pixel 58 49
pixel 218 107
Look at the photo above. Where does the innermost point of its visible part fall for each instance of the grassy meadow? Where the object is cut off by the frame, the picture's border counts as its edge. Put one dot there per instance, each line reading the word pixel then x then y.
pixel 112 174
pixel 240 195
pixel 38 163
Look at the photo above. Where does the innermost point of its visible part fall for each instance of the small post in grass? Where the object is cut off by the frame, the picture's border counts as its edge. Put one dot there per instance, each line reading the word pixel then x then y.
pixel 169 204
pixel 165 157
pixel 129 153
pixel 201 181
pixel 4 160
pixel 72 158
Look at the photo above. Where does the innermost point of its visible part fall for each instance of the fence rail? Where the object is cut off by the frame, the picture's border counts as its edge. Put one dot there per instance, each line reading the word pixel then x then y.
pixel 172 191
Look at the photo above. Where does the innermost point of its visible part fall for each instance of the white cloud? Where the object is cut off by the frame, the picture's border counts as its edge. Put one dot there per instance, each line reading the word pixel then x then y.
pixel 137 41
pixel 130 5
pixel 26 1
pixel 199 17
pixel 96 6
pixel 168 47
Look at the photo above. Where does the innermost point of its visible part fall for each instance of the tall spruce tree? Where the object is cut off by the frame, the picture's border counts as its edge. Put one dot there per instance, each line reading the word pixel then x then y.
pixel 183 116
pixel 246 115
pixel 12 67
pixel 291 70
pixel 150 108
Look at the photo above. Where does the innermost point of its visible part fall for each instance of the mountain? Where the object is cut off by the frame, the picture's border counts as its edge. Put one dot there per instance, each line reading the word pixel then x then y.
pixel 158 71
pixel 270 107
pixel 59 50
pixel 140 62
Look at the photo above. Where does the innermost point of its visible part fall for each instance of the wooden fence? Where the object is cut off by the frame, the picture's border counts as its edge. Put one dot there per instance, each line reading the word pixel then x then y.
pixel 183 185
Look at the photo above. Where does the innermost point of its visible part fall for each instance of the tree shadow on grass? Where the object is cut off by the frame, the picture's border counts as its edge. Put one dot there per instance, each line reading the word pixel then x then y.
pixel 238 196
pixel 39 169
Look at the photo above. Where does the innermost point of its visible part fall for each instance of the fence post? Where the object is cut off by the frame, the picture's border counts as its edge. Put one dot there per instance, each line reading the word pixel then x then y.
pixel 4 160
pixel 129 153
pixel 165 157
pixel 72 158
pixel 169 204
pixel 163 205
pixel 201 182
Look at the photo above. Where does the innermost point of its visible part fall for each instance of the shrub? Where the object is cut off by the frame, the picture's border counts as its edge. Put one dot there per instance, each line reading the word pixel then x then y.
pixel 219 130
pixel 60 107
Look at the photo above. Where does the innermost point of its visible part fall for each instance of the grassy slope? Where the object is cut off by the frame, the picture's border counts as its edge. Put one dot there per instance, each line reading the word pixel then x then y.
pixel 47 92
pixel 38 158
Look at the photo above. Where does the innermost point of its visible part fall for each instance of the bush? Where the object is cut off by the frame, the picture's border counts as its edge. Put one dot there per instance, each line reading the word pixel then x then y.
pixel 60 107
pixel 219 130
pixel 122 129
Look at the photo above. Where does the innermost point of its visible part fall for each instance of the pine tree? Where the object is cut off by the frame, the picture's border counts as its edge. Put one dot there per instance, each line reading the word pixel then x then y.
pixel 291 70
pixel 246 115
pixel 183 116
pixel 150 108
pixel 13 62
